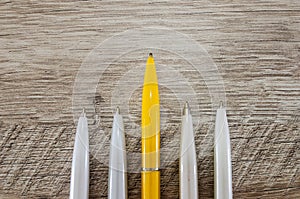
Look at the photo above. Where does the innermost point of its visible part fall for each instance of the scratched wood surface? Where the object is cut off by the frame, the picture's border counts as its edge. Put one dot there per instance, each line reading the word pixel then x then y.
pixel 255 45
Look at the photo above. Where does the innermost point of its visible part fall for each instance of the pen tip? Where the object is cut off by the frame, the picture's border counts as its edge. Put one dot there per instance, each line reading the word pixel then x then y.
pixel 83 114
pixel 150 55
pixel 118 110
pixel 186 109
pixel 221 104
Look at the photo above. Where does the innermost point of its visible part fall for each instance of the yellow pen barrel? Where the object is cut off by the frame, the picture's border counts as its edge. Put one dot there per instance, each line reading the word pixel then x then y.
pixel 150 184
pixel 150 134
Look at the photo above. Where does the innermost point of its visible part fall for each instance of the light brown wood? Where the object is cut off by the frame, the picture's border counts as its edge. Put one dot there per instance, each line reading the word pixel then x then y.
pixel 255 45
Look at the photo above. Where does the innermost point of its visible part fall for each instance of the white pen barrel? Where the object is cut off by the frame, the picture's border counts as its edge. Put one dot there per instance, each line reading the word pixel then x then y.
pixel 222 159
pixel 117 162
pixel 188 163
pixel 79 188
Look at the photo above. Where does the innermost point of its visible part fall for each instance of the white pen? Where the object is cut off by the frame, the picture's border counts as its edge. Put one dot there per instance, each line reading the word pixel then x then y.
pixel 79 188
pixel 117 160
pixel 188 162
pixel 222 159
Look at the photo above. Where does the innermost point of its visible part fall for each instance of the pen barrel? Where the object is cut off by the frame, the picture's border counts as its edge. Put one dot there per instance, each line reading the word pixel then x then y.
pixel 117 161
pixel 151 138
pixel 79 185
pixel 150 184
pixel 222 157
pixel 150 134
pixel 150 127
pixel 188 162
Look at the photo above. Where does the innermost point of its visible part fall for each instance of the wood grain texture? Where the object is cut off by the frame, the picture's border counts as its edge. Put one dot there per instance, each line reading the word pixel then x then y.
pixel 255 44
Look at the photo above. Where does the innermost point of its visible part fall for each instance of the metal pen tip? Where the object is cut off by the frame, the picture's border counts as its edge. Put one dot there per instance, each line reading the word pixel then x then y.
pixel 221 104
pixel 186 109
pixel 83 113
pixel 118 110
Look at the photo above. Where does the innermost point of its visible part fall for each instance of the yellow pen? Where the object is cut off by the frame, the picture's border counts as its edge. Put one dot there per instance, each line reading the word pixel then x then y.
pixel 150 133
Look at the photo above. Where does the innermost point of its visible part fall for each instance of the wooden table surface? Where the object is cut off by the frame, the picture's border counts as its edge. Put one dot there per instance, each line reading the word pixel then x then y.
pixel 254 44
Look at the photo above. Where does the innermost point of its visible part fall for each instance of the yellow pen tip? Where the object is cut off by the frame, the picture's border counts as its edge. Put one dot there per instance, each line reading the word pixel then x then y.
pixel 150 59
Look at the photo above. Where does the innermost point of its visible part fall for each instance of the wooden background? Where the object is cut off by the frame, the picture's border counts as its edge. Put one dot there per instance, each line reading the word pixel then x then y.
pixel 255 45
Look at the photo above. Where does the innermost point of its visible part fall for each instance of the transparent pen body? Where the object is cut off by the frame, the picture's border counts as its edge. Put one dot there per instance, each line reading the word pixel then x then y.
pixel 79 185
pixel 222 157
pixel 117 161
pixel 187 161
